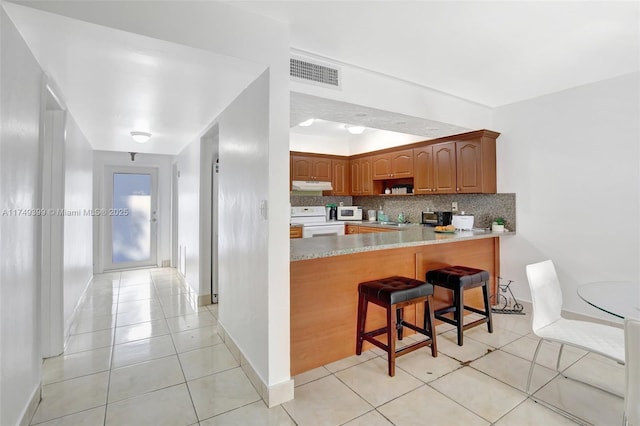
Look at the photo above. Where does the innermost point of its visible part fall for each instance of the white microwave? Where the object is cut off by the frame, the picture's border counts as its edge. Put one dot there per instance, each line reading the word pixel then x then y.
pixel 349 213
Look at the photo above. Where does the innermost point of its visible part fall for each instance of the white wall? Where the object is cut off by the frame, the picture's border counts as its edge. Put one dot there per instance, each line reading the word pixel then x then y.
pixel 101 159
pixel 188 162
pixel 78 197
pixel 243 266
pixel 363 87
pixel 572 158
pixel 20 352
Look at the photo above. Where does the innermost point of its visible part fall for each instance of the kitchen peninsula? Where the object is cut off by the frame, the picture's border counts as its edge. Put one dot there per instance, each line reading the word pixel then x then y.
pixel 325 273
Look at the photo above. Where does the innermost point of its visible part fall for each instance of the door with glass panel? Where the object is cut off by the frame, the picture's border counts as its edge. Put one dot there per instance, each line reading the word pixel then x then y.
pixel 131 217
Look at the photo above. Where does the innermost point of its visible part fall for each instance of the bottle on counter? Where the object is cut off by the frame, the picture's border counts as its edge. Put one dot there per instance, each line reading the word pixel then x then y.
pixel 401 217
pixel 380 215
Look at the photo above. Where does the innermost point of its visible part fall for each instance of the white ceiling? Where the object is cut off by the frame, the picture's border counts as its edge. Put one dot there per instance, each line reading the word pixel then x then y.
pixel 115 82
pixel 492 53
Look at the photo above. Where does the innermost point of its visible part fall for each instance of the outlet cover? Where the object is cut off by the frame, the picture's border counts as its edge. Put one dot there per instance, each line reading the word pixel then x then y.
pixel 454 206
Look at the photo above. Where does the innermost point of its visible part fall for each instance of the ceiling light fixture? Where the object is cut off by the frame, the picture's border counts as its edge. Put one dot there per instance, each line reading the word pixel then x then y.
pixel 307 123
pixel 140 137
pixel 354 130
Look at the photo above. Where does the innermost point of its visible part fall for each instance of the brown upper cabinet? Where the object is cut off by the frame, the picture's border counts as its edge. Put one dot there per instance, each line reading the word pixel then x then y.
pixel 340 177
pixel 310 167
pixel 361 179
pixel 458 164
pixel 392 165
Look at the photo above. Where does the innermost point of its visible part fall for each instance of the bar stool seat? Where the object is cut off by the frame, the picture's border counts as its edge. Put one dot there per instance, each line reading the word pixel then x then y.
pixel 394 294
pixel 458 279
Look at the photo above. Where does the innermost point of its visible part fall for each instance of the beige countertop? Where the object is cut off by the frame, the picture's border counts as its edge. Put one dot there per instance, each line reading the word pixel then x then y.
pixel 410 235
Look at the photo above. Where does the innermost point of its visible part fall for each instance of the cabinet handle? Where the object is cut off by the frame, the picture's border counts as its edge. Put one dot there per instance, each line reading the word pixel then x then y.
pixel 457 189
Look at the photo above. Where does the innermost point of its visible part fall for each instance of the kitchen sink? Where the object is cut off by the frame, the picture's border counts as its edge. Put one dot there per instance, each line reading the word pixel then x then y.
pixel 394 223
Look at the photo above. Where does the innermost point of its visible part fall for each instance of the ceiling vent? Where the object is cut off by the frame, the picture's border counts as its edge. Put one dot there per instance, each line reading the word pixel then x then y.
pixel 317 73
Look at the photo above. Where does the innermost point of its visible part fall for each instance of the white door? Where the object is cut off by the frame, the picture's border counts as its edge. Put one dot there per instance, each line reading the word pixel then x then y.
pixel 131 217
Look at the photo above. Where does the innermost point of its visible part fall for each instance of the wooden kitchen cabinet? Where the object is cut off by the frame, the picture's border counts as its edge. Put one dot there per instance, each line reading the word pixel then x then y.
pixel 392 165
pixel 361 180
pixel 362 229
pixel 309 167
pixel 295 232
pixel 435 169
pixel 340 177
pixel 457 167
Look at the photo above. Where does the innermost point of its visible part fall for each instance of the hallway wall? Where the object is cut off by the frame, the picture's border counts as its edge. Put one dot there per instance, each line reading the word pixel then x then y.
pixel 78 235
pixel 20 349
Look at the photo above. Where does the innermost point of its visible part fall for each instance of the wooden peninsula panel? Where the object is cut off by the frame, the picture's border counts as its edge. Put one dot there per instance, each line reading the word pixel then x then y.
pixel 324 293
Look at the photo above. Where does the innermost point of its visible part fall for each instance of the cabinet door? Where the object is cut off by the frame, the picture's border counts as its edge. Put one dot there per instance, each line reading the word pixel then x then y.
pixel 321 169
pixel 423 170
pixel 381 166
pixel 340 177
pixel 402 164
pixel 469 166
pixel 366 183
pixel 355 177
pixel 301 168
pixel 444 168
pixel 351 229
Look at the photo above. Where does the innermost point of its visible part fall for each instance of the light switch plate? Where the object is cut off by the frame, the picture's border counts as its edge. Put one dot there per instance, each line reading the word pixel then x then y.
pixel 454 206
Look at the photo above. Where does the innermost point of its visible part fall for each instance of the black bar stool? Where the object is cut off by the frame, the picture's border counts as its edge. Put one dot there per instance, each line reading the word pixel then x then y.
pixel 458 279
pixel 393 294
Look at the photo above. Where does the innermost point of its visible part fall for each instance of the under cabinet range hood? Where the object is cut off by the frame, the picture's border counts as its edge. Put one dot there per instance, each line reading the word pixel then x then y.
pixel 311 185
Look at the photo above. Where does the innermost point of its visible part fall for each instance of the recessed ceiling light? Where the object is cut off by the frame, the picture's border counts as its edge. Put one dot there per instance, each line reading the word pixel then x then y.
pixel 354 130
pixel 307 123
pixel 140 137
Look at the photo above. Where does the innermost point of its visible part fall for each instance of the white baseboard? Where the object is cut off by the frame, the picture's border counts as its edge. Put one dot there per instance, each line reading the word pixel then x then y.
pixel 32 406
pixel 271 395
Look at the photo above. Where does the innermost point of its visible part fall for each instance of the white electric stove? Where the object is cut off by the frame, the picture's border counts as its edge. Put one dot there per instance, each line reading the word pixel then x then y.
pixel 314 222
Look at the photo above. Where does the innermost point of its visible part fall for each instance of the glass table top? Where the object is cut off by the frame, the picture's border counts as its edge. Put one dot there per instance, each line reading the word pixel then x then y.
pixel 619 298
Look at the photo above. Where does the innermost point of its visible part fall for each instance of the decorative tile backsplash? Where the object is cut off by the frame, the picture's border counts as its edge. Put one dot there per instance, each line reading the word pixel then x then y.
pixel 485 207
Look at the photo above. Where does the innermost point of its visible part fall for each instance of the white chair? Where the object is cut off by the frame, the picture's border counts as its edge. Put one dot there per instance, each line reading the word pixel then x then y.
pixel 549 325
pixel 632 370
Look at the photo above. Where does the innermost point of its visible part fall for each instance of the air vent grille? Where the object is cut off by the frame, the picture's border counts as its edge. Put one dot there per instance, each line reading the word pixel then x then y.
pixel 313 72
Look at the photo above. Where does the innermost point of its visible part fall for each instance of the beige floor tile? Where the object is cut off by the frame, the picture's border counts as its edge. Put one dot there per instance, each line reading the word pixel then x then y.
pixel 86 323
pixel 372 418
pixel 426 406
pixel 144 330
pixel 72 396
pixel 310 376
pixel 325 401
pixel 520 324
pixel 134 380
pixel 196 338
pixel 142 350
pixel 136 317
pixel 256 414
pixel 88 341
pixel 96 308
pixel 350 361
pixel 372 382
pixel 531 414
pixel 599 371
pixel 471 350
pixel 135 281
pixel 78 364
pixel 485 396
pixel 423 366
pixel 221 392
pixel 583 401
pixel 513 370
pixel 170 406
pixel 497 339
pixel 213 309
pixel 189 321
pixel 91 417
pixel 525 347
pixel 146 305
pixel 205 361
pixel 134 293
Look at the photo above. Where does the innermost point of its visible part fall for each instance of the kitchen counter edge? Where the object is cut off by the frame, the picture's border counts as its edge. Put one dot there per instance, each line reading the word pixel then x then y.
pixel 320 247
